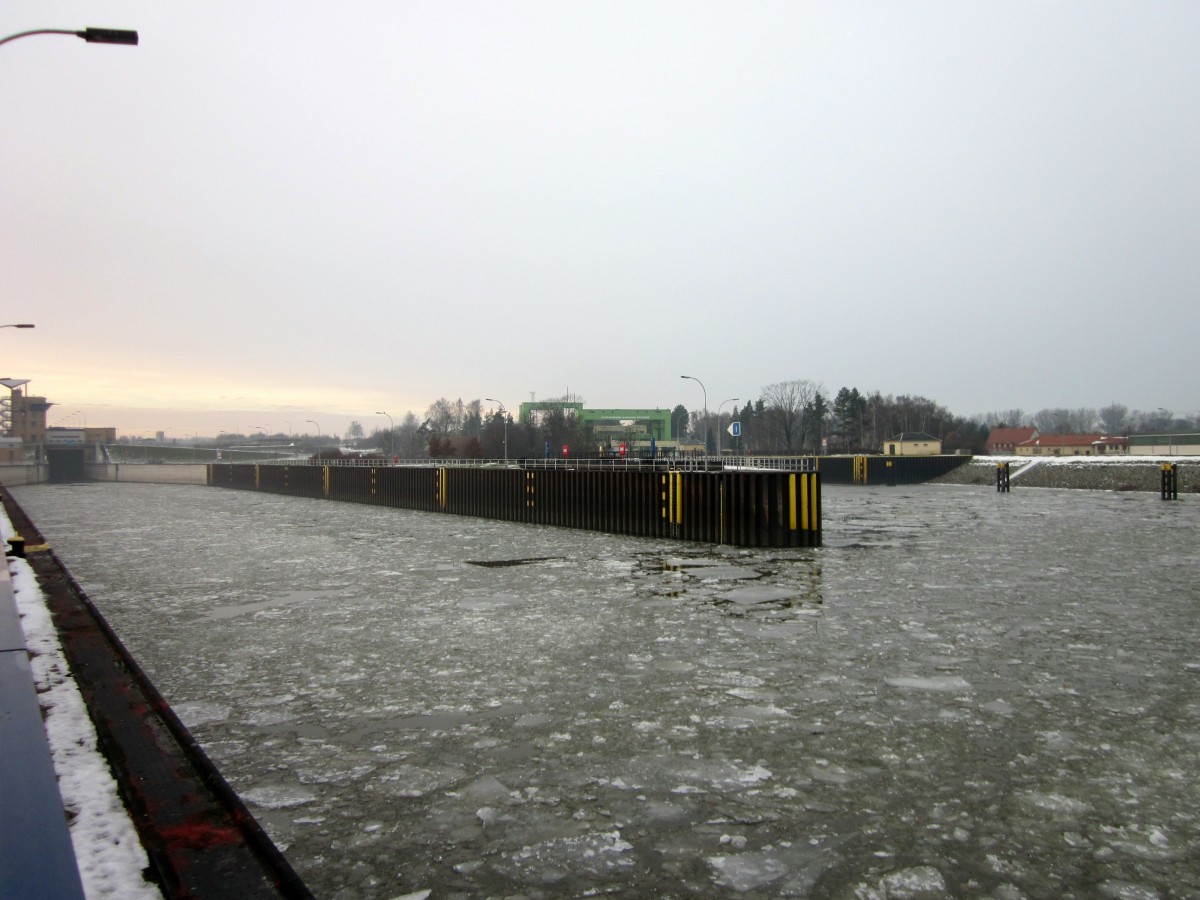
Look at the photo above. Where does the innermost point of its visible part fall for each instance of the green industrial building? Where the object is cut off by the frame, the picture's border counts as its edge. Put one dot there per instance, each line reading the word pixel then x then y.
pixel 631 427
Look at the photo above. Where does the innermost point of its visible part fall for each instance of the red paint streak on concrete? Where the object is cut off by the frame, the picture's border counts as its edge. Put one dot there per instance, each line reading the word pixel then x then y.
pixel 199 836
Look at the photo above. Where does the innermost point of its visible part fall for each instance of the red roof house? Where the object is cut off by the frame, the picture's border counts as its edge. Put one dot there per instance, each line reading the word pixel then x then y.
pixel 1061 445
pixel 1002 441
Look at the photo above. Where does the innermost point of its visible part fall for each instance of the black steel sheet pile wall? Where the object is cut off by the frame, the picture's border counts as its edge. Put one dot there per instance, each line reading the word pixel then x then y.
pixel 886 470
pixel 744 508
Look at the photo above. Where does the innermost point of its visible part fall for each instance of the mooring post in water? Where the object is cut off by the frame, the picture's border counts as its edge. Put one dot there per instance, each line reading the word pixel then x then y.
pixel 889 474
pixel 1170 482
pixel 1002 478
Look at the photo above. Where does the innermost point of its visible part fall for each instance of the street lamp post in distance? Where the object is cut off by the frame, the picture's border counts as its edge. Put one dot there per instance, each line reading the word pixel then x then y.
pixel 504 413
pixel 1170 423
pixel 723 402
pixel 702 388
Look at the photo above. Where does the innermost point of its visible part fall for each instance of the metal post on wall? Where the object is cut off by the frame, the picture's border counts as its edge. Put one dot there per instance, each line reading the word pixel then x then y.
pixel 1170 482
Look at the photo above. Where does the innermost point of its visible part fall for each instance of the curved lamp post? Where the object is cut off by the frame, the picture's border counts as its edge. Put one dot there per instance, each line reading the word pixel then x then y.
pixel 723 402
pixel 701 383
pixel 1170 437
pixel 504 413
pixel 91 35
pixel 391 428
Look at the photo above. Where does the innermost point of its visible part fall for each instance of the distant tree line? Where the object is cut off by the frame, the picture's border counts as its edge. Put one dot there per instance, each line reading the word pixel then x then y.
pixel 1114 419
pixel 801 417
pixel 797 417
pixel 465 430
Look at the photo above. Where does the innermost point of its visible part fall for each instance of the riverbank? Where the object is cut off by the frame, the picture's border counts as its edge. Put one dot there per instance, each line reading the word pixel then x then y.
pixel 1131 473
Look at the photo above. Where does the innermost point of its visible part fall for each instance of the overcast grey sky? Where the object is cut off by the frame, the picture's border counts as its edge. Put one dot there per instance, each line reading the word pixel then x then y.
pixel 272 212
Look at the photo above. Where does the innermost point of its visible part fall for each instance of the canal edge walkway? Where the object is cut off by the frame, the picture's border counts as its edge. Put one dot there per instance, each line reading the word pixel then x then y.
pixel 37 856
pixel 201 840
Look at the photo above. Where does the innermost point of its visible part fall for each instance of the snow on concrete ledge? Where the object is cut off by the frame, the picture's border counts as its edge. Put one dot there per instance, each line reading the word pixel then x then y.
pixel 110 856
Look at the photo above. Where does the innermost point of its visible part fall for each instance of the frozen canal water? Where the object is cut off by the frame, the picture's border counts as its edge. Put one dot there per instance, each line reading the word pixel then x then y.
pixel 961 694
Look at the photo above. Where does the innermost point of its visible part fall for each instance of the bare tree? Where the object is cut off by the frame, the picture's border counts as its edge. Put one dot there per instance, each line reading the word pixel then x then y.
pixel 1114 419
pixel 1053 421
pixel 1007 418
pixel 409 442
pixel 879 414
pixel 1084 420
pixel 916 413
pixel 445 417
pixel 1066 421
pixel 783 404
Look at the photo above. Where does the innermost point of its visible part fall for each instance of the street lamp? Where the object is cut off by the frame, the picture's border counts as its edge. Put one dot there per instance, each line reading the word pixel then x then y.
pixel 504 413
pixel 91 35
pixel 1170 437
pixel 391 428
pixel 314 422
pixel 22 325
pixel 723 402
pixel 701 383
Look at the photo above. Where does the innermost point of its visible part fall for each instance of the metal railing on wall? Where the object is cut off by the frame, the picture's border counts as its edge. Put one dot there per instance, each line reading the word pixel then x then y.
pixel 686 464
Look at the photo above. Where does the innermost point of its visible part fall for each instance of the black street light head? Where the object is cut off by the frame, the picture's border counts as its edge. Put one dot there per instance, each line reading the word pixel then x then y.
pixel 91 35
pixel 108 36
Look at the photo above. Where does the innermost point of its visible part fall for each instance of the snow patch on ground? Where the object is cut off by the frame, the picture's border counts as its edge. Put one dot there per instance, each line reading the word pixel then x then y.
pixel 107 849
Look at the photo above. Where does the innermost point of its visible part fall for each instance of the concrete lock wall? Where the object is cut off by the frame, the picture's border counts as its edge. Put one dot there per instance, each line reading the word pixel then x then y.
pixel 24 473
pixel 149 473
